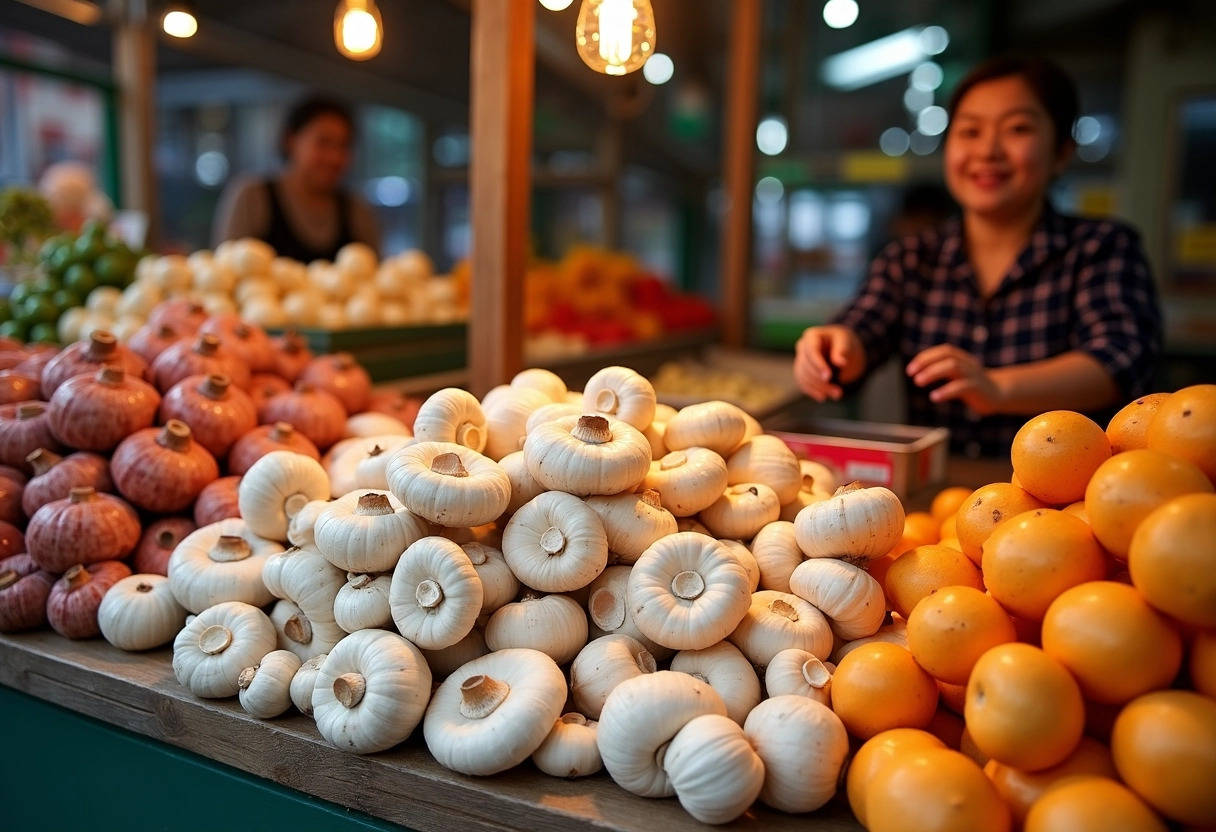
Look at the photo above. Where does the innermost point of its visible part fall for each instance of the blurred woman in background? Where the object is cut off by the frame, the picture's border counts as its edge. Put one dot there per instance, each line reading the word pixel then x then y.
pixel 1012 309
pixel 303 213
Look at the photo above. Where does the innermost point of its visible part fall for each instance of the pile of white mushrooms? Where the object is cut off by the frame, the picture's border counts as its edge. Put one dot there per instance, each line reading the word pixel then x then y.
pixel 592 579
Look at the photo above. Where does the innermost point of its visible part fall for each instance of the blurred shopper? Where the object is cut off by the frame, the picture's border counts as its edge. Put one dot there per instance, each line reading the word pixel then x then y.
pixel 1012 309
pixel 72 192
pixel 303 212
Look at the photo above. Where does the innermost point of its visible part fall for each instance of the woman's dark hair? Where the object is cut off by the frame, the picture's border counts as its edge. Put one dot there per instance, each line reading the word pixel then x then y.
pixel 1051 85
pixel 308 110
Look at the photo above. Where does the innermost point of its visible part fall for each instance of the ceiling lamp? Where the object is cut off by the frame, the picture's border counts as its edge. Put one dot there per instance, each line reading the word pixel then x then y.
pixel 556 5
pixel 615 37
pixel 358 29
pixel 179 22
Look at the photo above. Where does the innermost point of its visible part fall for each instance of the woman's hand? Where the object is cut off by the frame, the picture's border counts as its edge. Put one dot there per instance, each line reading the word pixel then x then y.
pixel 966 379
pixel 826 355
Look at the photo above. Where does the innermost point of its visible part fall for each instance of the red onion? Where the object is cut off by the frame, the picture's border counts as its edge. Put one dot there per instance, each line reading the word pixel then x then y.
pixel 12 489
pixel 291 355
pixel 86 527
pixel 24 589
pixel 202 356
pixel 19 387
pixel 183 314
pixel 55 476
pixel 341 375
pixel 255 444
pixel 88 357
pixel 162 469
pixel 249 341
pixel 12 358
pixel 12 541
pixel 150 340
pixel 97 411
pixel 158 542
pixel 24 428
pixel 265 386
pixel 397 405
pixel 217 413
pixel 35 364
pixel 72 606
pixel 318 415
pixel 217 502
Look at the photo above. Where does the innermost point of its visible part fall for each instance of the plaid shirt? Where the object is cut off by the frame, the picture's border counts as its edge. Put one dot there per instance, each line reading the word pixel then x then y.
pixel 1080 284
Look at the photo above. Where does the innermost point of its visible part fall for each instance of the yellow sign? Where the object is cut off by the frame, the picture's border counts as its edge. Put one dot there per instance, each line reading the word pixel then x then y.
pixel 873 166
pixel 1197 245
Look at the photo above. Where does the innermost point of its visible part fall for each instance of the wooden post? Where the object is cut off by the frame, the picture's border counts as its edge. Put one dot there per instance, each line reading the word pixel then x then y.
pixel 739 139
pixel 612 168
pixel 134 75
pixel 500 120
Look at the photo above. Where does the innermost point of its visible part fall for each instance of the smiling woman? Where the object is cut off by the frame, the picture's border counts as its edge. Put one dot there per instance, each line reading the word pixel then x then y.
pixel 1013 308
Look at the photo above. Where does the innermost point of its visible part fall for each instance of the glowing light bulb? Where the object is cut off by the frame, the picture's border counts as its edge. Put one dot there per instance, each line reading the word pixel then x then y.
pixel 358 29
pixel 615 37
pixel 179 24
pixel 556 5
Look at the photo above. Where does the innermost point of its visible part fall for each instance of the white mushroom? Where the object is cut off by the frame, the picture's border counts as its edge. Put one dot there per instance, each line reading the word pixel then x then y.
pixel 555 543
pixel 449 484
pixel 803 746
pixel 211 651
pixel 632 523
pixel 795 672
pixel 364 531
pixel 727 671
pixel 779 621
pixel 220 562
pixel 265 688
pixel 570 749
pixel 688 480
pixel 602 665
pixel 587 455
pixel 551 624
pixel 621 393
pixel 713 768
pixel 436 594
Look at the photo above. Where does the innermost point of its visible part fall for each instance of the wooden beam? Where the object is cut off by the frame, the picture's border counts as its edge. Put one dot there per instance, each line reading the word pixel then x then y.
pixel 134 76
pixel 739 136
pixel 500 119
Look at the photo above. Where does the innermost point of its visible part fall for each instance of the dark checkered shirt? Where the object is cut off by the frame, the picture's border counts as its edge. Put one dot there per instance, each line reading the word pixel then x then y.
pixel 1080 284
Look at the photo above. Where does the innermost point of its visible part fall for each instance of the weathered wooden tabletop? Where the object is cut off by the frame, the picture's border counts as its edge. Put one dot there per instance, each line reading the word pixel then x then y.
pixel 137 691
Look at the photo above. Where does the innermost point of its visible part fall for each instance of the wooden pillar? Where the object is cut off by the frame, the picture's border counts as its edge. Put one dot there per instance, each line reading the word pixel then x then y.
pixel 739 137
pixel 135 77
pixel 612 168
pixel 501 90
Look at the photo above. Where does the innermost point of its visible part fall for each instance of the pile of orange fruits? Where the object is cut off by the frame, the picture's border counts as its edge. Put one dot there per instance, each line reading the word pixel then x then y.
pixel 1057 668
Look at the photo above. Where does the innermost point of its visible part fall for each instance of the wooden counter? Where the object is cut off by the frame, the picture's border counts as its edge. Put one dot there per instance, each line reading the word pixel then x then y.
pixel 404 786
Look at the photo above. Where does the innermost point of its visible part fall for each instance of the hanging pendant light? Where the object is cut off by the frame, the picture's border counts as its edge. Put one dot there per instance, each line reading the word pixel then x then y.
pixel 358 29
pixel 615 37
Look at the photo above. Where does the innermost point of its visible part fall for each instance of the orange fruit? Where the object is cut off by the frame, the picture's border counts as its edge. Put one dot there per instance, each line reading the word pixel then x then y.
pixel 1091 803
pixel 925 570
pixel 950 543
pixel 1031 559
pixel 934 790
pixel 1164 744
pixel 879 566
pixel 1172 559
pixel 946 502
pixel 1185 426
pixel 1077 509
pixel 949 630
pixel 1023 708
pixel 1128 429
pixel 1020 789
pixel 947 726
pixel 987 508
pixel 949 527
pixel 1113 643
pixel 967 746
pixel 922 527
pixel 1203 663
pixel 1126 488
pixel 953 697
pixel 879 686
pixel 877 752
pixel 1055 453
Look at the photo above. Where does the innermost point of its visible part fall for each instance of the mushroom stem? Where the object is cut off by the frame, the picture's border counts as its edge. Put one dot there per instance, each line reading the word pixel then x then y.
pixel 229 548
pixel 8 577
pixel 688 585
pixel 607 609
pixel 349 689
pixel 573 718
pixel 606 401
pixel 469 435
pixel 360 581
pixel 652 498
pixel 784 609
pixel 143 587
pixel 429 594
pixel 480 696
pixel 298 628
pixel 808 483
pixel 553 542
pixel 845 489
pixel 593 430
pixel 675 459
pixel 816 675
pixel 293 504
pixel 246 678
pixel 42 460
pixel 30 410
pixel 214 639
pixel 449 465
pixel 77 577
pixel 646 662
pixel 373 504
pixel 81 494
